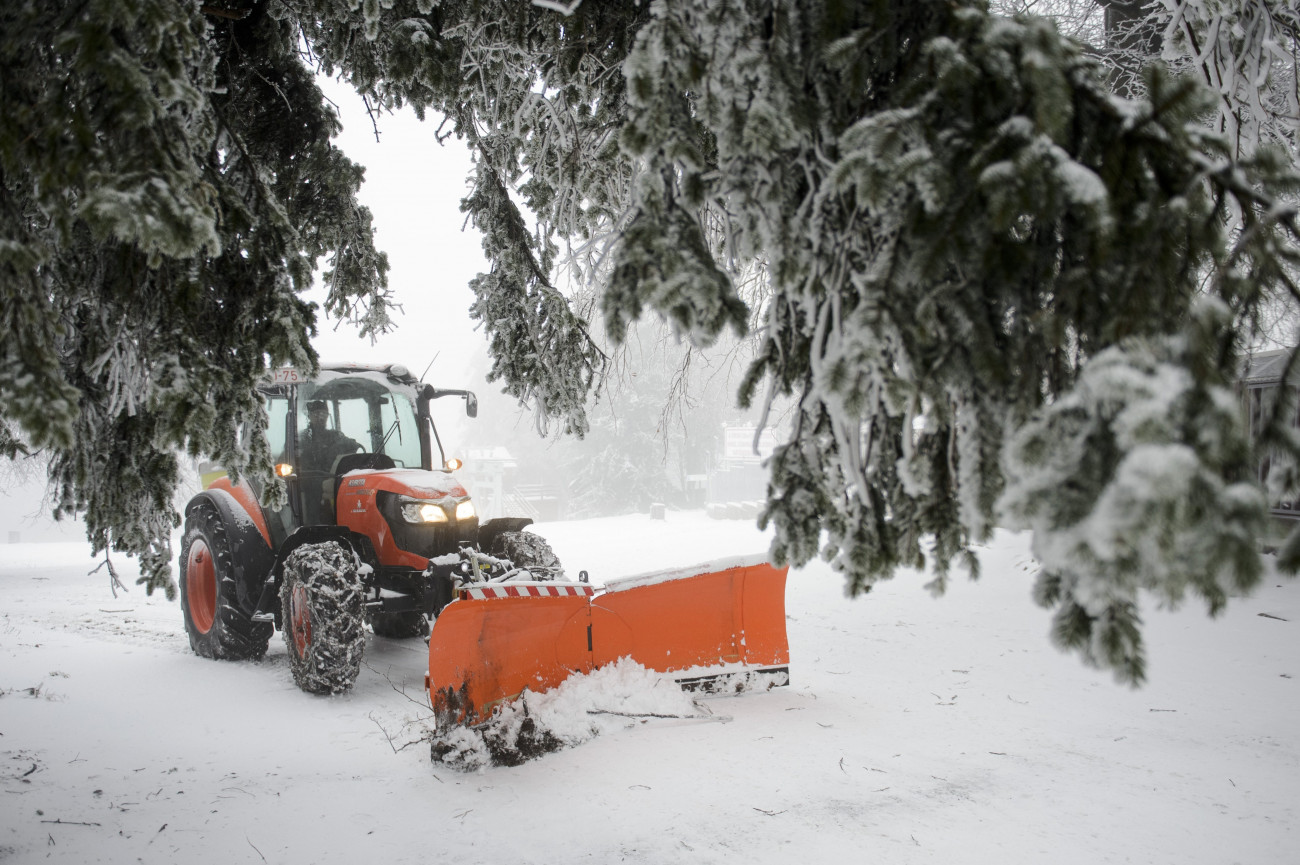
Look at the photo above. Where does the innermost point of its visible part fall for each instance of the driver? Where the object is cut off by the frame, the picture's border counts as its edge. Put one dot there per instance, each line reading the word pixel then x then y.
pixel 318 445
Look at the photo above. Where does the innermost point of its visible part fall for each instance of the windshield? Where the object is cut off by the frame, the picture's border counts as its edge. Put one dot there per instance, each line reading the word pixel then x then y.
pixel 359 412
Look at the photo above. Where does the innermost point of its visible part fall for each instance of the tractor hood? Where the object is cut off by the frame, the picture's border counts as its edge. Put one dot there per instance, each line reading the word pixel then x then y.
pixel 375 503
pixel 416 483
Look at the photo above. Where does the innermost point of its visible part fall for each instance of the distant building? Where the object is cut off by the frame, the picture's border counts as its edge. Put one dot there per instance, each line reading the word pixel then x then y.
pixel 739 481
pixel 1261 387
pixel 489 473
pixel 492 477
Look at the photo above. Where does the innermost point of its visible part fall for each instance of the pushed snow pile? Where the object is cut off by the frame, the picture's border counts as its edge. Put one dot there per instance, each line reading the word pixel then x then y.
pixel 581 708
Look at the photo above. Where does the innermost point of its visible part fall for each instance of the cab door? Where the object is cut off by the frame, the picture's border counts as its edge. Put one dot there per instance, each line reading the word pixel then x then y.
pixel 281 434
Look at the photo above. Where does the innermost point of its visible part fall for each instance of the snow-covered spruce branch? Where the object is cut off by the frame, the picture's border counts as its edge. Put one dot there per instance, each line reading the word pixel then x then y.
pixel 565 9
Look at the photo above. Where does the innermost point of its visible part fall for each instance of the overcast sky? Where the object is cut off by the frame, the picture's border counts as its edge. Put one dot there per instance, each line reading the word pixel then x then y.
pixel 413 187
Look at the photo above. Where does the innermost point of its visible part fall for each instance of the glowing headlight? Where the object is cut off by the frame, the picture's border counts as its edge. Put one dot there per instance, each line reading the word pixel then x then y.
pixel 423 512
pixel 465 511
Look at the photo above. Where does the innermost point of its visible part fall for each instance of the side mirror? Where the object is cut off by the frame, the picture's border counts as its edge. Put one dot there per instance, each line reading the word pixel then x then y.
pixel 471 401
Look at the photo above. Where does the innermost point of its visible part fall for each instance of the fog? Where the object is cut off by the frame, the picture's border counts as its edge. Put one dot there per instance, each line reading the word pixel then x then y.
pixel 659 424
pixel 24 508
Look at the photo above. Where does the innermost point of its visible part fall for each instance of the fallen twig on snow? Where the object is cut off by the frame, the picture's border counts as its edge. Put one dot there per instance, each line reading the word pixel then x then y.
pixel 421 703
pixel 389 736
pixel 706 717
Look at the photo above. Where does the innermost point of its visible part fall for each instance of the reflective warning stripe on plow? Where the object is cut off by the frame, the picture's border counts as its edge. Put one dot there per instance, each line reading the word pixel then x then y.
pixel 525 590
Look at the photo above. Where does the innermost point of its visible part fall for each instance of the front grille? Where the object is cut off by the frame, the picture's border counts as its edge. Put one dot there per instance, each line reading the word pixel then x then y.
pixel 425 539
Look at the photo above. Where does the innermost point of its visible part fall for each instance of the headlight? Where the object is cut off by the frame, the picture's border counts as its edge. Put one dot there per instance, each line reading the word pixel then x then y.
pixel 414 511
pixel 420 512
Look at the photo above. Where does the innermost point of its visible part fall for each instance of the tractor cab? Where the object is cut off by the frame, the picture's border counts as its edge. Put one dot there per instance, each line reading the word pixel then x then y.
pixel 349 417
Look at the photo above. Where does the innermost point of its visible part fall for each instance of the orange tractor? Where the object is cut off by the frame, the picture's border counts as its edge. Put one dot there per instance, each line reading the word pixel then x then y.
pixel 378 531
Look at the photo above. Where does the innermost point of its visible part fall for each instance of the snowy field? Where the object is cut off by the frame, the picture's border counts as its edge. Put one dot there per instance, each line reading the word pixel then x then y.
pixel 915 730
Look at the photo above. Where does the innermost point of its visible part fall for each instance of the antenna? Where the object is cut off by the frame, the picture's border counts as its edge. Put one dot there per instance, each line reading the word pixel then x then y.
pixel 430 366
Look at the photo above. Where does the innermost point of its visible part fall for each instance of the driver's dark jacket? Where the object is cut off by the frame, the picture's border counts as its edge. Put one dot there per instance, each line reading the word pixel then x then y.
pixel 317 452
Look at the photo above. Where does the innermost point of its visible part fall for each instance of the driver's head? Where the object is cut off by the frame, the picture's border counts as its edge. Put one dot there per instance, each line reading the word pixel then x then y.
pixel 316 414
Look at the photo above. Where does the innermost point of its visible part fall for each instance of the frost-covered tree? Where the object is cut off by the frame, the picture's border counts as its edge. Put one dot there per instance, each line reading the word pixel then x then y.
pixel 167 186
pixel 1244 51
pixel 959 218
pixel 659 419
pixel 996 290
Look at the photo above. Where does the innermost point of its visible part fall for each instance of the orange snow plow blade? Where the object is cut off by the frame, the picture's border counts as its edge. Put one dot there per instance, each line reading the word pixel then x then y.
pixel 496 641
pixel 681 620
pixel 489 645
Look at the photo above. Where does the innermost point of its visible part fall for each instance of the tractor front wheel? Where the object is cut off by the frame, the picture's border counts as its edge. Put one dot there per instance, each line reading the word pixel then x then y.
pixel 216 625
pixel 321 602
pixel 529 551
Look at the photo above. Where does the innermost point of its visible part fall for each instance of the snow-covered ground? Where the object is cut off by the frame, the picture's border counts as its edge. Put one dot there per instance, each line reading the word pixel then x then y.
pixel 915 730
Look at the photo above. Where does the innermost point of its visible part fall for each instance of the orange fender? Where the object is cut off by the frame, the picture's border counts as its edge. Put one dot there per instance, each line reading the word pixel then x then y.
pixel 243 494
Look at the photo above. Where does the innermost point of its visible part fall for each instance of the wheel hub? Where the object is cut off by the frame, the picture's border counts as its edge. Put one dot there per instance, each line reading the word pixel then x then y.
pixel 300 619
pixel 201 586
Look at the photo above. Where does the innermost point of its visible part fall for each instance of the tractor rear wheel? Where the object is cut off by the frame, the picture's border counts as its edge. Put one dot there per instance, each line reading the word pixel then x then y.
pixel 399 626
pixel 529 551
pixel 321 601
pixel 216 625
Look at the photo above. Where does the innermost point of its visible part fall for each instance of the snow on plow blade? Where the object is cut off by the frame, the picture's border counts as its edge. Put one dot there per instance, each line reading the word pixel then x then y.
pixel 495 641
